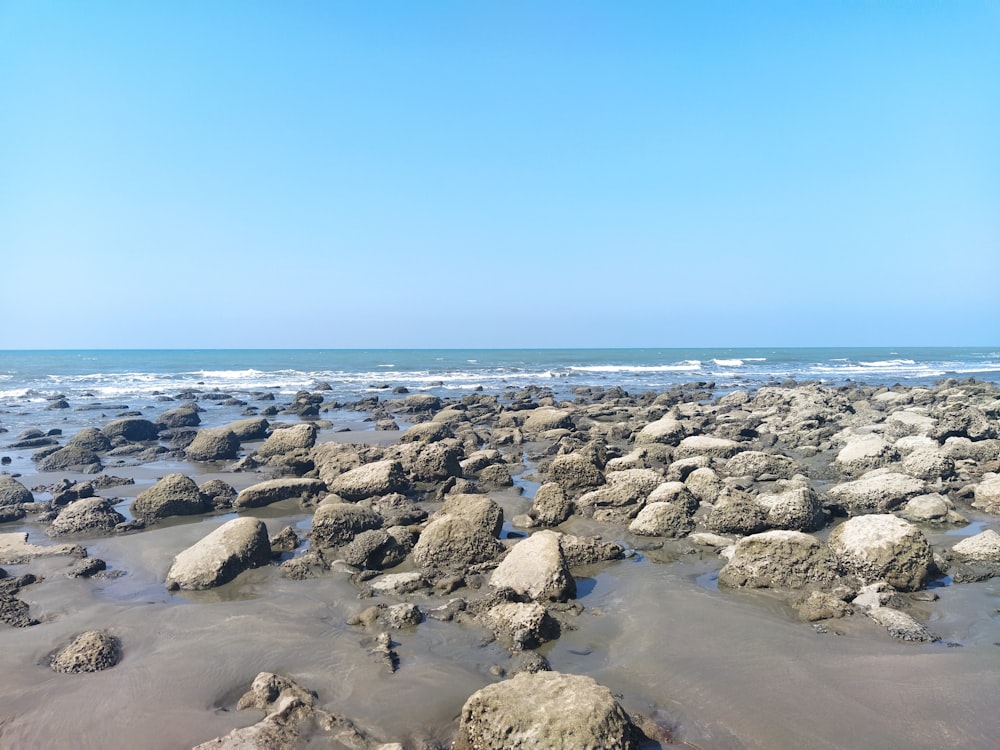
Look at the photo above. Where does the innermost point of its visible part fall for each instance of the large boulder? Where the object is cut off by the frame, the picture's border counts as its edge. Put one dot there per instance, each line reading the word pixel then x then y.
pixel 878 491
pixel 92 651
pixel 778 559
pixel 928 463
pixel 863 453
pixel 535 567
pixel 214 444
pixel 453 542
pixel 92 439
pixel 172 495
pixel 666 429
pixel 521 625
pixel 662 519
pixel 337 523
pixel 90 515
pixel 274 490
pixel 676 493
pixel 429 462
pixel 545 710
pixel 13 492
pixel 182 416
pixel 735 512
pixel 625 487
pixel 883 547
pixel 72 458
pixel 289 439
pixel 218 558
pixel 550 506
pixel 795 508
pixel 255 428
pixel 574 471
pixel 707 445
pixel 131 429
pixel 427 432
pixel 548 418
pixel 757 463
pixel 986 496
pixel 370 480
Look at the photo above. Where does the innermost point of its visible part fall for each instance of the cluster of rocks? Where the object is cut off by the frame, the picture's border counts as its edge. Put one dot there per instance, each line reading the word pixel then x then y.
pixel 758 476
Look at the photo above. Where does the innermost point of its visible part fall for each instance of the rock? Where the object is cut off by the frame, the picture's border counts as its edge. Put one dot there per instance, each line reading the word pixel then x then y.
pixel 496 475
pixel 250 429
pixel 92 439
pixel 291 716
pixel 172 495
pixel 479 460
pixel 397 584
pixel 883 547
pixel 217 444
pixel 287 440
pixel 706 445
pixel 869 602
pixel 427 432
pixel 662 519
pixel 396 509
pixel 626 487
pixel 535 567
pixel 222 555
pixel 521 625
pixel 92 651
pixel 875 492
pixel 676 493
pixel 735 512
pixel 715 541
pixel 987 494
pixel 758 463
pixel 276 490
pixel 928 464
pixel 586 550
pixel 574 471
pixel 218 494
pixel 377 549
pixel 479 509
pixel 87 568
pixel 796 509
pixel 15 549
pixel 820 605
pixel 72 458
pixel 547 418
pixel 13 492
pixel 667 430
pixel 15 612
pixel 453 542
pixel 931 508
pixel 863 453
pixel 429 462
pixel 550 506
pixel 779 559
pixel 182 416
pixel 545 710
pixel 704 484
pixel 983 547
pixel 132 430
pixel 337 523
pixel 92 515
pixel 369 480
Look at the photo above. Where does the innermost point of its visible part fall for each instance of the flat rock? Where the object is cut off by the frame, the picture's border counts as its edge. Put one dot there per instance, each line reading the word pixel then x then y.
pixel 223 554
pixel 370 480
pixel 536 567
pixel 16 550
pixel 876 492
pixel 778 559
pixel 276 490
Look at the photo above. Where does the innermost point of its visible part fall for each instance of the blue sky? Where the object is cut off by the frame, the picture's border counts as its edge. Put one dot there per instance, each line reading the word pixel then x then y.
pixel 499 174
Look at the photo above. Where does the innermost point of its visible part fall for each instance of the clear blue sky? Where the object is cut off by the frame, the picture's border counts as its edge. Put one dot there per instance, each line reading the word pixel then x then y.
pixel 499 174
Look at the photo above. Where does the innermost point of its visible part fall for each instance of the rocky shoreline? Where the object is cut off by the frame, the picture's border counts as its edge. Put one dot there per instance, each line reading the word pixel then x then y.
pixel 837 502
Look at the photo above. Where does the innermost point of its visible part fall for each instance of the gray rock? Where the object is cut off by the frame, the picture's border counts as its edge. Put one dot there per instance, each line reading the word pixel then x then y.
pixel 72 458
pixel 626 487
pixel 779 559
pixel 667 430
pixel 453 542
pixel 676 493
pixel 426 432
pixel 662 519
pixel 520 625
pixel 90 515
pixel 573 471
pixel 370 480
pixel 92 651
pixel 92 439
pixel 172 495
pixel 704 484
pixel 547 418
pixel 545 710
pixel 215 444
pixel 875 492
pixel 222 555
pixel 735 512
pixel 13 492
pixel 255 428
pixel 337 523
pixel 758 463
pixel 131 429
pixel 536 567
pixel 707 445
pixel 863 453
pixel 550 506
pixel 987 494
pixel 276 490
pixel 883 547
pixel 288 439
pixel 587 550
pixel 928 464
pixel 797 509
pixel 182 416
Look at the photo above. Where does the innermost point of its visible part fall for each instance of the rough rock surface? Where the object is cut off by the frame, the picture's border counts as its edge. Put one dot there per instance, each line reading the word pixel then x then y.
pixel 545 710
pixel 12 492
pixel 337 523
pixel 883 547
pixel 453 542
pixel 275 490
pixel 288 439
pixel 90 515
pixel 550 506
pixel 369 480
pixel 214 444
pixel 797 509
pixel 131 429
pixel 875 492
pixel 536 567
pixel 92 651
pixel 662 519
pixel 172 495
pixel 72 458
pixel 218 558
pixel 778 559
pixel 521 625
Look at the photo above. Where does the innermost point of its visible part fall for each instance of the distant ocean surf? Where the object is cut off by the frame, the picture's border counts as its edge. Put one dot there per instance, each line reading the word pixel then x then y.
pixel 37 376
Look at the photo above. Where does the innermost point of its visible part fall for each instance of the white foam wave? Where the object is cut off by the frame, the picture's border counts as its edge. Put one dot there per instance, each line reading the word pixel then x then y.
pixel 888 363
pixel 686 365
pixel 728 362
